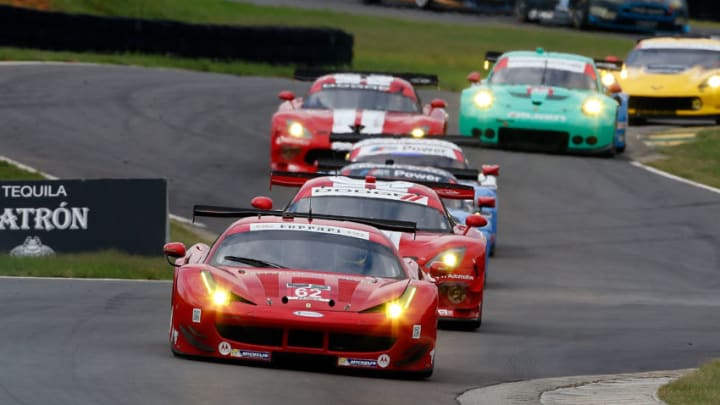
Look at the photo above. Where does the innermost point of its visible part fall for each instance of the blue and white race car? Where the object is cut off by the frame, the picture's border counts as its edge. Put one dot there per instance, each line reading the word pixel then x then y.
pixel 431 160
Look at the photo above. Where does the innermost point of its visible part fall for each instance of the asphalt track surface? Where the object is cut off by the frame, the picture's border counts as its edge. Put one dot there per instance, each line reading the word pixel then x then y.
pixel 601 267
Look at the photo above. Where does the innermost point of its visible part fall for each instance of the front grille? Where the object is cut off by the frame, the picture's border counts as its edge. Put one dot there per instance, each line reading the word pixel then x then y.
pixel 305 338
pixel 344 342
pixel 661 104
pixel 251 335
pixel 533 139
pixel 324 155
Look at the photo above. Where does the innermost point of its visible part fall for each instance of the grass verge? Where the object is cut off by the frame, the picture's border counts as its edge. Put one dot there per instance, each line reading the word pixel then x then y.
pixel 106 264
pixel 701 387
pixel 386 44
pixel 698 160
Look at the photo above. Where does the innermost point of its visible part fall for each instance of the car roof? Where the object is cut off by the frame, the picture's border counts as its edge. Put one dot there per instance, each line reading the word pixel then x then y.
pixel 711 44
pixel 389 190
pixel 548 55
pixel 379 82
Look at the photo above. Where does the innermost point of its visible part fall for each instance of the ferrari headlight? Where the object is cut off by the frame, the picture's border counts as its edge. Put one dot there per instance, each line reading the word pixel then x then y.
pixel 483 99
pixel 295 129
pixel 608 79
pixel 451 258
pixel 219 296
pixel 592 106
pixel 397 308
pixel 417 133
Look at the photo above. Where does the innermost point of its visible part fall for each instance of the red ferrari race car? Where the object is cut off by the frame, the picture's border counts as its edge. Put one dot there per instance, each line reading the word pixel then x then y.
pixel 279 283
pixel 453 254
pixel 360 103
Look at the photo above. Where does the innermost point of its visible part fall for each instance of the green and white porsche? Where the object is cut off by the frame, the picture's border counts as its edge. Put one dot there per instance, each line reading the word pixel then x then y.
pixel 546 101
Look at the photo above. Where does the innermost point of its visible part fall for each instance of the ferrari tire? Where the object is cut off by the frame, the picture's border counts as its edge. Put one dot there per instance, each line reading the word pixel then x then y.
pixel 423 3
pixel 579 15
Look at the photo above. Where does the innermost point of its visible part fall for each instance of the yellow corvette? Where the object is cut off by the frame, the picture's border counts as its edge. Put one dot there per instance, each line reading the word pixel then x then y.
pixel 673 77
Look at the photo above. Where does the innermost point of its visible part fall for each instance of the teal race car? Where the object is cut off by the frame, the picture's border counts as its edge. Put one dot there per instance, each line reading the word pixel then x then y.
pixel 544 101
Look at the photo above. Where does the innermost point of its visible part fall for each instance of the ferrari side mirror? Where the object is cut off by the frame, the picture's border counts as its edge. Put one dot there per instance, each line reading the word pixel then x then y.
pixel 286 95
pixel 262 203
pixel 174 250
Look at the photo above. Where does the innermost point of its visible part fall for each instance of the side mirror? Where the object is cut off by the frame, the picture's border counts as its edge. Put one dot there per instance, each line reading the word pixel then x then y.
pixel 438 103
pixel 615 88
pixel 491 170
pixel 174 250
pixel 475 221
pixel 262 203
pixel 486 202
pixel 474 77
pixel 286 95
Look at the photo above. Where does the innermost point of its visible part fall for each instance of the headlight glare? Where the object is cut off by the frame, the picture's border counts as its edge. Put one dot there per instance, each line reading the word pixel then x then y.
pixel 483 99
pixel 714 81
pixel 608 79
pixel 417 133
pixel 394 310
pixel 592 106
pixel 450 258
pixel 221 297
pixel 296 130
pixel 397 308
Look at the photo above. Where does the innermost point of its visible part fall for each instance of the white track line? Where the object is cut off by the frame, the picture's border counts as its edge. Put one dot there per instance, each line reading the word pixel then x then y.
pixel 676 178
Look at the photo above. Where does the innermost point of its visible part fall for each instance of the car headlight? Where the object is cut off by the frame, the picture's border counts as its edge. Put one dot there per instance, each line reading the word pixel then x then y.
pixel 397 308
pixel 219 296
pixel 713 82
pixel 608 79
pixel 418 132
pixel 297 130
pixel 450 258
pixel 592 106
pixel 483 99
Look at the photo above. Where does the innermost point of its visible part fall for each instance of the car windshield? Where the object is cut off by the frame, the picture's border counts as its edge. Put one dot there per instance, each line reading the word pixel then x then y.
pixel 291 249
pixel 541 76
pixel 679 58
pixel 426 218
pixel 361 99
pixel 415 159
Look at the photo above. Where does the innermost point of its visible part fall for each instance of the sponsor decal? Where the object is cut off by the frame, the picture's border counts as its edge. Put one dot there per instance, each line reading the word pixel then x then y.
pixel 303 291
pixel 362 86
pixel 224 348
pixel 196 314
pixel 250 355
pixel 365 363
pixel 445 312
pixel 308 314
pixel 452 276
pixel 335 230
pixel 405 149
pixel 417 329
pixel 32 247
pixel 369 192
pixel 283 140
pixel 383 360
pixel 341 146
pixel 551 63
pixel 537 116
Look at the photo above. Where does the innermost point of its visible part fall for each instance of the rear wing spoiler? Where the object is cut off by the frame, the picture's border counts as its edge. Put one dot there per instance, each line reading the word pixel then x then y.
pixel 416 79
pixel 350 137
pixel 613 65
pixel 334 167
pixel 492 56
pixel 451 191
pixel 231 212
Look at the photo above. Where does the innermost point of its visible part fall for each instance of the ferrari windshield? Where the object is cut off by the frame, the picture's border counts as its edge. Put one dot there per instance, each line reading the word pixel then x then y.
pixel 308 250
pixel 543 76
pixel 360 99
pixel 426 218
pixel 680 58
pixel 415 159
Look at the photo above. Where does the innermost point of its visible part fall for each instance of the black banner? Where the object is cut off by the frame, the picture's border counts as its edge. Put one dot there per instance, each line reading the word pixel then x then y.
pixel 66 216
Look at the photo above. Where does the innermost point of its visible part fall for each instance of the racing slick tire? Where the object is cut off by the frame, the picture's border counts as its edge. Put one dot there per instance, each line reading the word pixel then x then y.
pixel 579 15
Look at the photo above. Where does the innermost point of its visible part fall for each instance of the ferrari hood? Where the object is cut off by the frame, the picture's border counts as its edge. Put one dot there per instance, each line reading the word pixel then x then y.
pixel 296 289
pixel 648 81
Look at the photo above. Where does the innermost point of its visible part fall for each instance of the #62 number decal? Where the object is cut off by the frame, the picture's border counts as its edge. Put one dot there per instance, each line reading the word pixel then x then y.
pixel 307 291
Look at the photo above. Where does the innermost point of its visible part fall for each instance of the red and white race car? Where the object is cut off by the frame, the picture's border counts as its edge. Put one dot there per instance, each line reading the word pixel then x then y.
pixel 453 254
pixel 279 283
pixel 360 103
